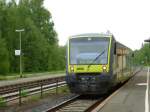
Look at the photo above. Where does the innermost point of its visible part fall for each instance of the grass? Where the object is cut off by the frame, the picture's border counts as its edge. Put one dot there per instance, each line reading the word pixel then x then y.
pixel 26 75
pixel 2 102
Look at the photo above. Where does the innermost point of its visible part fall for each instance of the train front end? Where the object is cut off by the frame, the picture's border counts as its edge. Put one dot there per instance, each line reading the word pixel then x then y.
pixel 88 63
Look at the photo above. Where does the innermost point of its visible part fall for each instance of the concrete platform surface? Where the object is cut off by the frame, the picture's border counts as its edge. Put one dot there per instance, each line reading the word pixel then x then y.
pixel 132 97
pixel 22 80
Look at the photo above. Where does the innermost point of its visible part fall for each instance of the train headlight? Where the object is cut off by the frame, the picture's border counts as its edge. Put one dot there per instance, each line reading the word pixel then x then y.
pixel 104 68
pixel 72 68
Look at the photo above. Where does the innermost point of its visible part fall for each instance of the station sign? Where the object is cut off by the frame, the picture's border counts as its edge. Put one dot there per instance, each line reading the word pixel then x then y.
pixel 17 52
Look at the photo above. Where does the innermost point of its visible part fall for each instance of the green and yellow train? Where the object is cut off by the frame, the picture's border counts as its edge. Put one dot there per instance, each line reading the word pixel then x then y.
pixel 96 63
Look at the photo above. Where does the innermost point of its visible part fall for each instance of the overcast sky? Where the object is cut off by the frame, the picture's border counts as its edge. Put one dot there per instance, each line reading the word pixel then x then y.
pixel 128 20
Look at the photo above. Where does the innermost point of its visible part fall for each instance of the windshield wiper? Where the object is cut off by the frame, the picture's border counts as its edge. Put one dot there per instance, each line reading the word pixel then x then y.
pixel 96 58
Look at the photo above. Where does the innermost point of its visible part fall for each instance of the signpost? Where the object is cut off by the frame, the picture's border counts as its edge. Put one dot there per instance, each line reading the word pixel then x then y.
pixel 19 52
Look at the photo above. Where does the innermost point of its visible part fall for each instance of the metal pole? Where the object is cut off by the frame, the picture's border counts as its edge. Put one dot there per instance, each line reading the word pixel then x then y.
pixel 41 90
pixel 20 96
pixel 20 30
pixel 20 58
pixel 57 86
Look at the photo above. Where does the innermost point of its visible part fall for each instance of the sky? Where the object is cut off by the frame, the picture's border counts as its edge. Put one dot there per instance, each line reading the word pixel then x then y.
pixel 127 20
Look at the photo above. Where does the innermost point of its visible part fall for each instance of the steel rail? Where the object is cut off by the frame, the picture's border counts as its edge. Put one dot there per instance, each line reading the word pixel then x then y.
pixel 76 104
pixel 12 92
pixel 53 109
pixel 14 96
pixel 31 84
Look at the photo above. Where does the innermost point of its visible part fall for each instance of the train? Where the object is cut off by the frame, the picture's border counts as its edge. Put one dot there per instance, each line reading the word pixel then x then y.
pixel 96 62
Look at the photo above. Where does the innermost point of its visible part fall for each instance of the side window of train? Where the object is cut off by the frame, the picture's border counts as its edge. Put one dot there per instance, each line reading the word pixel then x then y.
pixel 115 48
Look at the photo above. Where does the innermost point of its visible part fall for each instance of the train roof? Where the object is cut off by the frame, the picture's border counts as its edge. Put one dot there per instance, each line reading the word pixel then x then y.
pixel 92 35
pixel 120 45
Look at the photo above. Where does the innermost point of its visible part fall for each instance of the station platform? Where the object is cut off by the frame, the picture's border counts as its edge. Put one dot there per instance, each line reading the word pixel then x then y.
pixel 23 80
pixel 132 97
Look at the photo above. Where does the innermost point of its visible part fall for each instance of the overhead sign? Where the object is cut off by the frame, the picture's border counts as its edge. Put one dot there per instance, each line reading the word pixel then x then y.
pixel 17 52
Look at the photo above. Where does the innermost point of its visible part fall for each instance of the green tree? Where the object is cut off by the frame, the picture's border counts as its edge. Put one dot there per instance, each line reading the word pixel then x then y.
pixel 142 56
pixel 4 59
pixel 40 50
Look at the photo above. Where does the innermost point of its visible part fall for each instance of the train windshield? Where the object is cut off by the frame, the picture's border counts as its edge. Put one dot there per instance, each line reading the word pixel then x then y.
pixel 88 50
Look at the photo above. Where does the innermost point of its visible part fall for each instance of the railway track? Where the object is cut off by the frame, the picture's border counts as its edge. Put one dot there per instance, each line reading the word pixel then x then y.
pixel 84 104
pixel 14 91
pixel 31 84
pixel 78 103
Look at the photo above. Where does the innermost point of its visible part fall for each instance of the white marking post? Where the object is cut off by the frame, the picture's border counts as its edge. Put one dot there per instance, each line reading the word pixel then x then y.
pixel 141 84
pixel 146 93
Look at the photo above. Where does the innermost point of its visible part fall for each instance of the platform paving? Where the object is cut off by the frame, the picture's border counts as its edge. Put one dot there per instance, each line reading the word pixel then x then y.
pixel 132 97
pixel 22 80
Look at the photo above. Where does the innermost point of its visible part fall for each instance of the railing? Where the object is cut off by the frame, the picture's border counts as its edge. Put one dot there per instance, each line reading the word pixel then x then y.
pixel 18 91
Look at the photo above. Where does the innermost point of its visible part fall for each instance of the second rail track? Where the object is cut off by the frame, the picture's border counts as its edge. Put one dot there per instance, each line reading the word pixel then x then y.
pixel 17 91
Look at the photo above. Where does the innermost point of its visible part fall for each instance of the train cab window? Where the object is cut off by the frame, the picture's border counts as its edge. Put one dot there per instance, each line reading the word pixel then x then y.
pixel 84 50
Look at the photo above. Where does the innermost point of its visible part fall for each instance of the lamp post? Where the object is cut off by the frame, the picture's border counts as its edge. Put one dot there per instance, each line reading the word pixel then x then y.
pixel 20 30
